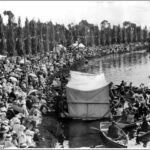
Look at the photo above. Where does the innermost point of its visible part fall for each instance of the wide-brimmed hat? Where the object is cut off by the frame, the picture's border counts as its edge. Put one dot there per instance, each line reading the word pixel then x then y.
pixel 23 145
pixel 3 109
pixel 5 122
pixel 4 130
pixel 29 133
pixel 16 120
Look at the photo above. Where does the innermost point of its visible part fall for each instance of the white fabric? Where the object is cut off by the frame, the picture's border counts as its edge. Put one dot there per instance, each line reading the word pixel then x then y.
pixel 86 82
pixel 2 56
pixel 22 61
pixel 77 45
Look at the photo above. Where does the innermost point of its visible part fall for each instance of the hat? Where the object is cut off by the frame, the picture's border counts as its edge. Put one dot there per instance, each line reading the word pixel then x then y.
pixel 30 133
pixel 8 135
pixel 35 105
pixel 3 130
pixel 16 120
pixel 19 115
pixel 3 109
pixel 22 128
pixel 23 145
pixel 23 102
pixel 5 122
pixel 113 122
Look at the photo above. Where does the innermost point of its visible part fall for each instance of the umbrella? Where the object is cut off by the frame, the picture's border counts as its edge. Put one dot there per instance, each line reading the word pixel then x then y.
pixel 33 75
pixel 32 91
pixel 14 75
pixel 18 69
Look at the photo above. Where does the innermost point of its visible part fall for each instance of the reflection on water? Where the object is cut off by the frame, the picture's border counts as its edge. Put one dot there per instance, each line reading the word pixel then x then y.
pixel 80 134
pixel 131 67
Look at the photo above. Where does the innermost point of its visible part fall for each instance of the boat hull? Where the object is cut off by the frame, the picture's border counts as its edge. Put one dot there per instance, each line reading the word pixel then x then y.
pixel 110 143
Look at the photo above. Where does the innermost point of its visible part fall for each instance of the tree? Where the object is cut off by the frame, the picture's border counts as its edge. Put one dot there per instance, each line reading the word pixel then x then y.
pixel 2 37
pixel 34 37
pixel 27 37
pixel 104 27
pixel 11 44
pixel 145 34
pixel 47 49
pixel 20 39
pixel 40 41
pixel 120 35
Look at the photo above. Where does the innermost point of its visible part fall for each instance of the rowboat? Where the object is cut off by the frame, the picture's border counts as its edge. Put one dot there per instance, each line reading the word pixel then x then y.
pixel 142 135
pixel 109 142
pixel 126 125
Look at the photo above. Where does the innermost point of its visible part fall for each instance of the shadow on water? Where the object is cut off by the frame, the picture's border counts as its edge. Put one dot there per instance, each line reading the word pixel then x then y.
pixel 80 134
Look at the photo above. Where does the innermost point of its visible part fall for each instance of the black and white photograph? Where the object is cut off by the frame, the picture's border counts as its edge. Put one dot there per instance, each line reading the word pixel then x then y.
pixel 74 74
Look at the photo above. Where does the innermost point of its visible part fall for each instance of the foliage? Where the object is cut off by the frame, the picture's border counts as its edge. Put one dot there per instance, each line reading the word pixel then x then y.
pixel 38 37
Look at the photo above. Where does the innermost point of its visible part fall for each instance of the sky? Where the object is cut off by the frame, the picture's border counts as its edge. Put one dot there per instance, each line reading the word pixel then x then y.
pixel 65 12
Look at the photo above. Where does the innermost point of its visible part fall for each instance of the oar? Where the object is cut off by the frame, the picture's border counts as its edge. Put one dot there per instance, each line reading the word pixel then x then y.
pixel 94 128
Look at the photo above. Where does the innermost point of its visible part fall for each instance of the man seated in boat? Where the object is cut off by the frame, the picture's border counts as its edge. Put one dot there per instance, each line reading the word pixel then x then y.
pixel 127 116
pixel 114 132
pixel 145 126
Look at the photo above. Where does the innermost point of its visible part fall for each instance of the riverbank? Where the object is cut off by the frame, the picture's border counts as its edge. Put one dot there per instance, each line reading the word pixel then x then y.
pixel 95 52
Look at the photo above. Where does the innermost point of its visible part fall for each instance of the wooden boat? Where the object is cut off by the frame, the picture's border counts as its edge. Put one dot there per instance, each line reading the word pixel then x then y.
pixel 111 143
pixel 142 135
pixel 126 125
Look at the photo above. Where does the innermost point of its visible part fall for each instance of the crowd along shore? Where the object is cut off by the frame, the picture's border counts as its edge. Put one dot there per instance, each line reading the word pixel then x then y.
pixel 32 88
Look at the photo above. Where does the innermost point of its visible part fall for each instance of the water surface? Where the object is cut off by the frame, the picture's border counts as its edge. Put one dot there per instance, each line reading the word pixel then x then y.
pixel 131 67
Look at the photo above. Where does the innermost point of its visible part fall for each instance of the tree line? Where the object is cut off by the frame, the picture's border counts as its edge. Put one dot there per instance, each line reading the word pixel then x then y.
pixel 36 37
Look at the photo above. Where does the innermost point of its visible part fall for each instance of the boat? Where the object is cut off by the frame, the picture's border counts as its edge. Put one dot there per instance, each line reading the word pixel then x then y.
pixel 109 142
pixel 143 137
pixel 126 125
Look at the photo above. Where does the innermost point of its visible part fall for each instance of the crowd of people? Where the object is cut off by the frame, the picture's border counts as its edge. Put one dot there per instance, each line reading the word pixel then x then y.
pixel 125 101
pixel 33 86
pixel 29 88
pixel 116 48
pixel 130 106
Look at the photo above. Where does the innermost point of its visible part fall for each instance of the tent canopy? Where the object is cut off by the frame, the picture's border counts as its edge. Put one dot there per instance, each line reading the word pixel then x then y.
pixel 2 57
pixel 87 95
pixel 77 45
pixel 85 81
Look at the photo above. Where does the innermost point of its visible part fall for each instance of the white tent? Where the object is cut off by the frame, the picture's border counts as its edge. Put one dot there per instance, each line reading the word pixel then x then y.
pixel 77 45
pixel 22 61
pixel 2 57
pixel 86 81
pixel 59 47
pixel 87 95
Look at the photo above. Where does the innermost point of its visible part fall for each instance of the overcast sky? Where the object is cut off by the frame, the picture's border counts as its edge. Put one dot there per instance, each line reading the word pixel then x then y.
pixel 65 12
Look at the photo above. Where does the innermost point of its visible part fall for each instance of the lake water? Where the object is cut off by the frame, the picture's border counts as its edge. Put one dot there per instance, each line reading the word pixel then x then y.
pixel 132 67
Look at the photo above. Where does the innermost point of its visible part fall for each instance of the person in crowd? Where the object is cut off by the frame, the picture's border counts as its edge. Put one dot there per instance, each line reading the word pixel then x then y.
pixel 114 132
